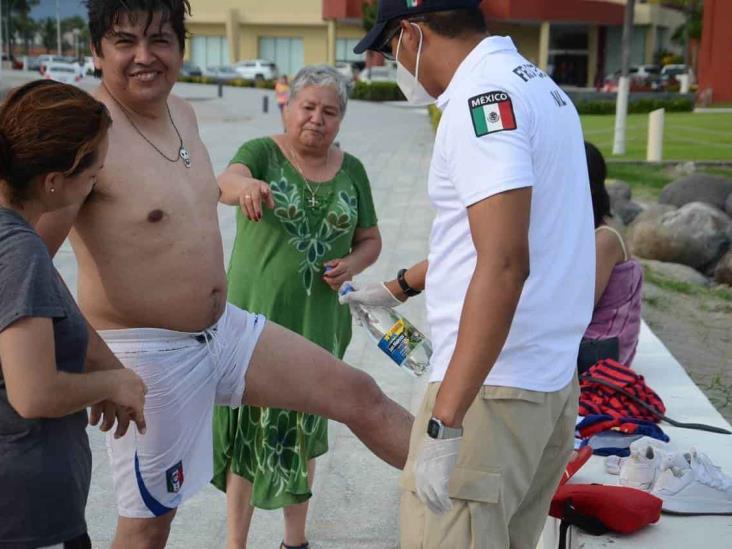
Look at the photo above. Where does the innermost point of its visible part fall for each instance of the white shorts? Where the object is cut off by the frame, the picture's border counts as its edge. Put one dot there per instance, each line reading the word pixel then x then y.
pixel 186 374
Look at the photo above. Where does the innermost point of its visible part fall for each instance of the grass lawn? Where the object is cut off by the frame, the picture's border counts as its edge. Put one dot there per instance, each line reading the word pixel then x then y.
pixel 688 136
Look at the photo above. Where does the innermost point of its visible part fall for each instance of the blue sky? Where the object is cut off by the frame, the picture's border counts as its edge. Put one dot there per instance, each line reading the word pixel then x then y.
pixel 47 8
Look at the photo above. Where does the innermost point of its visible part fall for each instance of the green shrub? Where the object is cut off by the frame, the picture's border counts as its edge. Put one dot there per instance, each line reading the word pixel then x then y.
pixel 264 84
pixel 679 104
pixel 596 107
pixel 238 83
pixel 197 79
pixel 377 91
pixel 637 106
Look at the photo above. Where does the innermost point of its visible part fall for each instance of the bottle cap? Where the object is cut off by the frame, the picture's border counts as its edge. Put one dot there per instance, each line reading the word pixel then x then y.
pixel 345 289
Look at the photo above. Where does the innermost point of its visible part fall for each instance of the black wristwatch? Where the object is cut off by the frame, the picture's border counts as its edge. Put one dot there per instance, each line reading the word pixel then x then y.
pixel 437 429
pixel 406 288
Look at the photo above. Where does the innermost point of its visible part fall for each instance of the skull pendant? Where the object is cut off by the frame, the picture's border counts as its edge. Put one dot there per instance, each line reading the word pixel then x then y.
pixel 185 156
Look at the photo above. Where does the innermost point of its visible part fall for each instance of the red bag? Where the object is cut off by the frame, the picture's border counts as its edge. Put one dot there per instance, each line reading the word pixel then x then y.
pixel 597 508
pixel 582 457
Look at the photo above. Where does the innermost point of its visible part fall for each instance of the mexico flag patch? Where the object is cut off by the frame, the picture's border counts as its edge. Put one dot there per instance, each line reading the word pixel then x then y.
pixel 492 112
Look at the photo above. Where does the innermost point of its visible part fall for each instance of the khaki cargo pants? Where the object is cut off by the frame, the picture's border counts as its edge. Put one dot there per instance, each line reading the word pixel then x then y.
pixel 515 447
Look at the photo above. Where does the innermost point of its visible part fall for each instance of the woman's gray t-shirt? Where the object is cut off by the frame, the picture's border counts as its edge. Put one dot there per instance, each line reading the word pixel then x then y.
pixel 45 464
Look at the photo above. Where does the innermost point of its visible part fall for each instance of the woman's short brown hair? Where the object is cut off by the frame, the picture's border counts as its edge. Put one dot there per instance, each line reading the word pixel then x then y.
pixel 48 127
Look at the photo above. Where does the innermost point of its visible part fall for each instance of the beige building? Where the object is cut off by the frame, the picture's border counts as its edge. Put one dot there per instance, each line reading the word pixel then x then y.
pixel 292 33
pixel 576 41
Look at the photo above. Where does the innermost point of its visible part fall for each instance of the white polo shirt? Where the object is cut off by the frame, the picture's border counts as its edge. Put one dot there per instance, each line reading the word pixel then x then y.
pixel 506 125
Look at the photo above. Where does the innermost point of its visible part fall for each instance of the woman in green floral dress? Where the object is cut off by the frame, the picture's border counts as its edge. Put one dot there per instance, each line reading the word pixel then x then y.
pixel 305 225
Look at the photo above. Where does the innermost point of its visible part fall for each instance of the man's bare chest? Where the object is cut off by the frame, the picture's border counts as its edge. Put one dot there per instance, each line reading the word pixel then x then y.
pixel 148 193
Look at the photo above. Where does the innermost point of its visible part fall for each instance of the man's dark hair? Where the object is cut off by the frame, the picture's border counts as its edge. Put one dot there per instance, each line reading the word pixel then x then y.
pixel 451 24
pixel 104 14
pixel 456 23
pixel 598 172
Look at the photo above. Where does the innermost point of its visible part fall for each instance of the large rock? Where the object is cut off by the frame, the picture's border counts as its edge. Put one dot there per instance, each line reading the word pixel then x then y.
pixel 618 190
pixel 627 211
pixel 712 189
pixel 681 170
pixel 653 213
pixel 696 235
pixel 728 206
pixel 676 272
pixel 620 203
pixel 723 270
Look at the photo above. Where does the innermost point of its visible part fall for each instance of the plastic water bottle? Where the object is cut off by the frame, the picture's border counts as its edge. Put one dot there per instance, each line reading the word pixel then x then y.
pixel 394 334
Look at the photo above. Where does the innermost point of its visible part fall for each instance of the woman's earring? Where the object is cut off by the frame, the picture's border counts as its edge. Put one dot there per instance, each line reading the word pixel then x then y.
pixel 53 189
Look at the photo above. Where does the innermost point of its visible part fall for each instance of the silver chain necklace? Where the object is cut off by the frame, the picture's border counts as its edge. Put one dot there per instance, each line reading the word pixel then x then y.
pixel 183 153
pixel 312 201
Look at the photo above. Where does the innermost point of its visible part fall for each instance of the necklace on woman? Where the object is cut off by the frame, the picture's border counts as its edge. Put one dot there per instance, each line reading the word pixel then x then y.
pixel 183 153
pixel 312 200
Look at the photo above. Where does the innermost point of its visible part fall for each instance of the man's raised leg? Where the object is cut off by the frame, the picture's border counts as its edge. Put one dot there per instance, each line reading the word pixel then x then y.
pixel 287 371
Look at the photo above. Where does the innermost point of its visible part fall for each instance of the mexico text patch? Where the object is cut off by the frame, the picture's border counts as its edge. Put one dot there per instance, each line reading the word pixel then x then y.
pixel 492 112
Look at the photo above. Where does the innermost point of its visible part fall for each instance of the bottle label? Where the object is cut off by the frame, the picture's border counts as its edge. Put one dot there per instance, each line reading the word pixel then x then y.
pixel 400 341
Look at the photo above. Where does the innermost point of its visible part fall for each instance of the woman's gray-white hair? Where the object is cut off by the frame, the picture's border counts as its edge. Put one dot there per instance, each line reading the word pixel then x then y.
pixel 321 75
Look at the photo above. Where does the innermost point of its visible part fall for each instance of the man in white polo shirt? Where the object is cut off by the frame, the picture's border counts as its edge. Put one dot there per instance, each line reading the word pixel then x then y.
pixel 509 279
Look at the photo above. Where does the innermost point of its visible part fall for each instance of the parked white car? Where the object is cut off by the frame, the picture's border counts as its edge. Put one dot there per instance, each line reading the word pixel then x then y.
pixel 68 73
pixel 346 69
pixel 44 60
pixel 669 72
pixel 386 73
pixel 645 71
pixel 257 69
pixel 222 72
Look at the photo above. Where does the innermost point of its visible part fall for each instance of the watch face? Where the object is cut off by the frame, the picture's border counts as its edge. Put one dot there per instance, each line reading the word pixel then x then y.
pixel 433 429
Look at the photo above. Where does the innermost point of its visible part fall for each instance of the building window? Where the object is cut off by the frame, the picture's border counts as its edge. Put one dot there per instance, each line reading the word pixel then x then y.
pixel 613 48
pixel 344 50
pixel 569 55
pixel 209 51
pixel 287 53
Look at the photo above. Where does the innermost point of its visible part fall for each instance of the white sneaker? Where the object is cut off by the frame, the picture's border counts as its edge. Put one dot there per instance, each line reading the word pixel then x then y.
pixel 646 461
pixel 642 467
pixel 642 442
pixel 694 487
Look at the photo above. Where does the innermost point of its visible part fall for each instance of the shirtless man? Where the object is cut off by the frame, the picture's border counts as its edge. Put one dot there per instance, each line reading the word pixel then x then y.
pixel 152 281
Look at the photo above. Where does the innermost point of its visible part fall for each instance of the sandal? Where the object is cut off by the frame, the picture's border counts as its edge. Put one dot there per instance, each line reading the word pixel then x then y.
pixel 305 545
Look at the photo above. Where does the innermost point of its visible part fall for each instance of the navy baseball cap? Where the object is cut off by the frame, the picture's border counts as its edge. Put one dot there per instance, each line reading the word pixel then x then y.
pixel 389 10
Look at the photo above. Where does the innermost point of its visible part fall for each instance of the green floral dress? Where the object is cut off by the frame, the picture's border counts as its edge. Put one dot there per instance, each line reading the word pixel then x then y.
pixel 275 270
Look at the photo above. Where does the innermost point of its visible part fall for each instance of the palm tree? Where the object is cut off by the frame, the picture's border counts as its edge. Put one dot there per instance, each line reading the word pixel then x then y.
pixel 48 33
pixel 16 17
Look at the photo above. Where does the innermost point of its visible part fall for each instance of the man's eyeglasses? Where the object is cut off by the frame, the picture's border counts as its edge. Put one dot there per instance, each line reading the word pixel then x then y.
pixel 385 48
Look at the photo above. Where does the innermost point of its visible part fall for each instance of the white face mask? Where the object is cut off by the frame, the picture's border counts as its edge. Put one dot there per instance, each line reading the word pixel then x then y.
pixel 412 89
